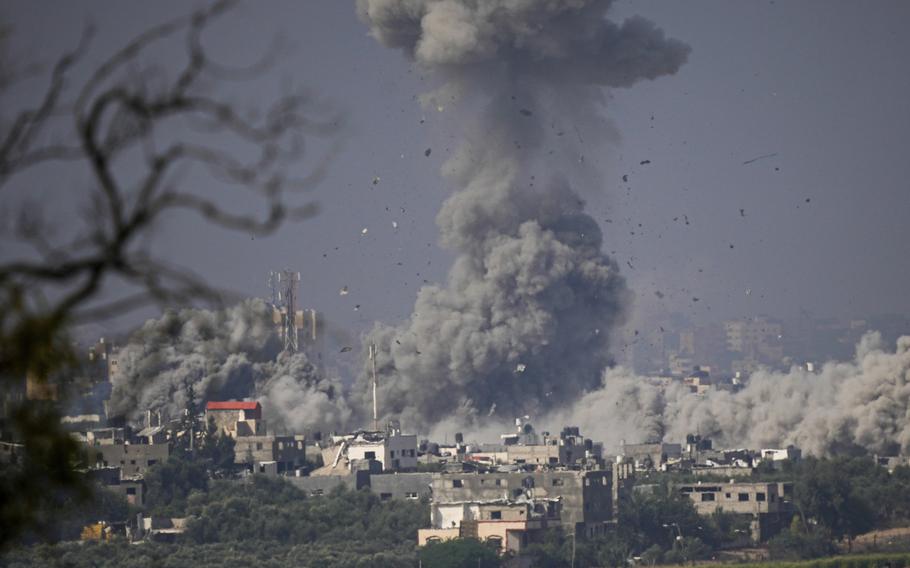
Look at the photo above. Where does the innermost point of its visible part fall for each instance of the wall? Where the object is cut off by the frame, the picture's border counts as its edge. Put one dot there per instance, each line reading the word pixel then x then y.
pixel 133 459
pixel 401 485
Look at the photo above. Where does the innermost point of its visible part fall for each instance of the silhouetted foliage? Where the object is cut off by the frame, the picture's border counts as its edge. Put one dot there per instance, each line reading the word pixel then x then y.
pixel 125 110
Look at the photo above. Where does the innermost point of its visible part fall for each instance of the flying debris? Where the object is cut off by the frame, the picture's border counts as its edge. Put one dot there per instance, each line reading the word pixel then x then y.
pixel 357 307
pixel 343 291
pixel 394 224
pixel 742 212
pixel 364 231
pixel 748 291
pixel 520 368
pixel 625 177
pixel 506 240
pixel 376 180
pixel 644 162
pixel 762 157
pixel 346 348
pixel 427 152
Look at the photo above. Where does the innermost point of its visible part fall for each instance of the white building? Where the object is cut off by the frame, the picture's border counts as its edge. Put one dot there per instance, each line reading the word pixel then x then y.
pixel 394 450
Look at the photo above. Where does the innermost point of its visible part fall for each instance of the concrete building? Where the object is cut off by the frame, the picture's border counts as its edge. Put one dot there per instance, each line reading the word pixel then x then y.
pixel 394 450
pixel 765 503
pixel 508 525
pixel 285 454
pixel 236 417
pixel 132 459
pixel 587 498
pixel 652 455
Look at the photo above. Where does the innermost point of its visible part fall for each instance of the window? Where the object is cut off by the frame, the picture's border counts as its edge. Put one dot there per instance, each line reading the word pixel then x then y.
pixel 495 541
pixel 554 460
pixel 558 482
pixel 707 497
pixel 385 496
pixel 132 462
pixel 759 496
pixel 412 495
pixel 728 495
pixel 130 490
pixel 391 453
pixel 258 445
pixel 369 455
pixel 152 462
pixel 498 483
pixel 743 496
pixel 496 515
pixel 456 483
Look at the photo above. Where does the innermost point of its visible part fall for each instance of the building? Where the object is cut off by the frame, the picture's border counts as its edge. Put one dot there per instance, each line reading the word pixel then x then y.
pixel 236 417
pixel 392 449
pixel 270 453
pixel 132 459
pixel 767 504
pixel 587 498
pixel 652 455
pixel 509 525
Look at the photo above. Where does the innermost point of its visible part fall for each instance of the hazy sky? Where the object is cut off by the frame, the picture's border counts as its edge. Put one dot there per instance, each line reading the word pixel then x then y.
pixel 819 87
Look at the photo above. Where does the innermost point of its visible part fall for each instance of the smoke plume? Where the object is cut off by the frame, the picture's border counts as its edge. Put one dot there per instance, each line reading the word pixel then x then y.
pixel 523 321
pixel 856 406
pixel 221 355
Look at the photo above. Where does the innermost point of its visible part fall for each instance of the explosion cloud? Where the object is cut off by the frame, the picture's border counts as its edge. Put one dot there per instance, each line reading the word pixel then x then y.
pixel 856 406
pixel 217 355
pixel 523 321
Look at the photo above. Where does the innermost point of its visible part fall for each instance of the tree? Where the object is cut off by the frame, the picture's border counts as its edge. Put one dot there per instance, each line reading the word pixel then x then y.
pixel 458 553
pixel 134 131
pixel 827 492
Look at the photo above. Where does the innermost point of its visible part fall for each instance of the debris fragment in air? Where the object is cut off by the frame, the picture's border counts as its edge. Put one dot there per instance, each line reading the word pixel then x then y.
pixel 345 349
pixel 762 157
pixel 427 152
pixel 364 231
pixel 526 112
pixel 343 291
pixel 520 368
pixel 376 180
pixel 625 177
pixel 394 224
pixel 644 162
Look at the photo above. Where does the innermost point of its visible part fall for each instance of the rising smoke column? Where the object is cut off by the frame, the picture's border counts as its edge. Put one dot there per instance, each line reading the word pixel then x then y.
pixel 232 353
pixel 523 322
pixel 855 406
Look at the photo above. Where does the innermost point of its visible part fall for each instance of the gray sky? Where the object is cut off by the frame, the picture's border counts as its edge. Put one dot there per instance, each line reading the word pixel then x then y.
pixel 821 85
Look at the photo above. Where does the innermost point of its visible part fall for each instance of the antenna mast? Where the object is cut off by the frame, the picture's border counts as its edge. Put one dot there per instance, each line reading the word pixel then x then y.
pixel 283 285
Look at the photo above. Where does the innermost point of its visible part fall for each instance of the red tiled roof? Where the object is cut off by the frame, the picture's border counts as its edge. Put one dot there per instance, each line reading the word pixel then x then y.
pixel 232 405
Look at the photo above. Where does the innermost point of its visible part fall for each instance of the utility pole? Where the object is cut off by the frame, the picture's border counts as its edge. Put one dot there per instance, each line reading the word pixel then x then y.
pixel 375 383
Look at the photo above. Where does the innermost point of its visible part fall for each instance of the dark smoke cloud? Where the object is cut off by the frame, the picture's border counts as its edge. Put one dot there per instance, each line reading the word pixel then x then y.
pixel 225 354
pixel 856 406
pixel 523 322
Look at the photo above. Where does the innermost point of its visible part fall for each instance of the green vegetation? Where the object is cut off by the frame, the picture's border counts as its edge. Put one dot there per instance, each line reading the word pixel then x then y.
pixel 462 553
pixel 900 560
pixel 258 522
pixel 268 522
